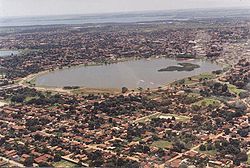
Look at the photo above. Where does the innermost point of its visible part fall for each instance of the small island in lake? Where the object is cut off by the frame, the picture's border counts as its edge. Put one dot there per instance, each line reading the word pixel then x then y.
pixel 181 67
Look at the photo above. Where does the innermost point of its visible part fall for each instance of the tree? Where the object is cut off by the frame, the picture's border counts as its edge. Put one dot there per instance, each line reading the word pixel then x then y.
pixel 196 107
pixel 124 89
pixel 227 131
pixel 183 165
pixel 160 152
pixel 217 145
pixel 243 132
pixel 224 88
pixel 2 141
pixel 209 147
pixel 57 158
pixel 244 95
pixel 17 98
pixel 44 164
pixel 236 162
pixel 97 163
pixel 242 157
pixel 202 147
pixel 140 89
pixel 178 146
pixel 29 162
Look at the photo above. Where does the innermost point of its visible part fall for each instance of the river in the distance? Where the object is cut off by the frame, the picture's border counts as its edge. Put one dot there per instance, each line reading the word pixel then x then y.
pixel 132 74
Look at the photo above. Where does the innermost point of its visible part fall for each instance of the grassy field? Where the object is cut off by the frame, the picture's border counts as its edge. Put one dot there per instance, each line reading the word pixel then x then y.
pixel 195 79
pixel 234 89
pixel 210 152
pixel 194 96
pixel 161 144
pixel 206 76
pixel 64 164
pixel 95 91
pixel 207 102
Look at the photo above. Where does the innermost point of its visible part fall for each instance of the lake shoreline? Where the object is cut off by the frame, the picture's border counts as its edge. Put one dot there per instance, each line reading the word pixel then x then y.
pixel 30 79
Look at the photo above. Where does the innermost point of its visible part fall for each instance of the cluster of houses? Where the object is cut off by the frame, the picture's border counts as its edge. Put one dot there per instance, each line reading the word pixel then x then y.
pixel 199 124
pixel 149 128
pixel 221 36
pixel 51 49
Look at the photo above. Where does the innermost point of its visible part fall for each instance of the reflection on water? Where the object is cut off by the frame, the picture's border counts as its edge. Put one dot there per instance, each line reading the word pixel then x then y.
pixel 132 74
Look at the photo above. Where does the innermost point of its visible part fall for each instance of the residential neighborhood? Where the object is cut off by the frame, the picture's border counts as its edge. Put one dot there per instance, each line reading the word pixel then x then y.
pixel 199 121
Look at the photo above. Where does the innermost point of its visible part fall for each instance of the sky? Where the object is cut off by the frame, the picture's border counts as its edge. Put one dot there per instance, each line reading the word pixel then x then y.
pixel 61 7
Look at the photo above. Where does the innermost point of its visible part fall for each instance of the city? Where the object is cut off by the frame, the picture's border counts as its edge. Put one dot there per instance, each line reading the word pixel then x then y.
pixel 200 121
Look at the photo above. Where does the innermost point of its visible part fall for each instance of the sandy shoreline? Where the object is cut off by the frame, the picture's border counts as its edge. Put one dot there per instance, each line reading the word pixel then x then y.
pixel 27 82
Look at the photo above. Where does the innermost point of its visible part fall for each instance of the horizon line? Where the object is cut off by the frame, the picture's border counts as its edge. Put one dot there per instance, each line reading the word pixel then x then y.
pixel 126 12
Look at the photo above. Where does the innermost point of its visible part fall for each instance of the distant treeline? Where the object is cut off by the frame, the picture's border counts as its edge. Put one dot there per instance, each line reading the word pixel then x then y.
pixel 71 87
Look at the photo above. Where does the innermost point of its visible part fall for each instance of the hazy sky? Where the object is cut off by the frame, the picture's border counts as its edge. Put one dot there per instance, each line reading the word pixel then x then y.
pixel 58 7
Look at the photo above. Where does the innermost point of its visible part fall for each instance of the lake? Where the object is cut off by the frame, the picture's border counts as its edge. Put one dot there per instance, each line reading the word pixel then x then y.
pixel 132 74
pixel 5 53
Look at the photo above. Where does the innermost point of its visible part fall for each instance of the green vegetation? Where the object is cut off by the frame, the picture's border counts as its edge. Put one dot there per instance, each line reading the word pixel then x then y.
pixel 233 89
pixel 208 149
pixel 186 81
pixel 195 79
pixel 64 164
pixel 24 96
pixel 182 67
pixel 207 101
pixel 208 152
pixel 71 87
pixel 85 91
pixel 162 144
pixel 137 139
pixel 188 56
pixel 206 76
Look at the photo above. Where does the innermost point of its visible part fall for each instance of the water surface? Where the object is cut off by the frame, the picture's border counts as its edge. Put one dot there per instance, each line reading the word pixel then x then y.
pixel 131 74
pixel 5 53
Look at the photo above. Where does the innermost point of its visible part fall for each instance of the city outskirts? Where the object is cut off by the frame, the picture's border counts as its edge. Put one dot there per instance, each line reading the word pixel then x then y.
pixel 197 121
